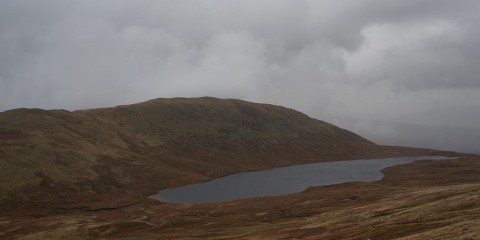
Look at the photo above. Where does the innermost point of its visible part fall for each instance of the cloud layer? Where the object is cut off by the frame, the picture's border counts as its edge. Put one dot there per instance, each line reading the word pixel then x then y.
pixel 368 59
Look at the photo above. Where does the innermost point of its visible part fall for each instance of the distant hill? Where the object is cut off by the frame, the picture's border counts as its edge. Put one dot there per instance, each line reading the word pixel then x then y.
pixel 61 157
pixel 459 139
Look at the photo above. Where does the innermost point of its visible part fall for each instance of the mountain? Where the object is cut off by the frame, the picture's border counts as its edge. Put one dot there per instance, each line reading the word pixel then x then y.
pixel 58 157
pixel 88 175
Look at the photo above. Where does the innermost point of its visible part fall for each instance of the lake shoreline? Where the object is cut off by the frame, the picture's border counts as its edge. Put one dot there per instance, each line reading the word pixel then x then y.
pixel 283 180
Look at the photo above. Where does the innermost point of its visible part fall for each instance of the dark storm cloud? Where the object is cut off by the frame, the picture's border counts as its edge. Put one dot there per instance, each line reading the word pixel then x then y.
pixel 372 59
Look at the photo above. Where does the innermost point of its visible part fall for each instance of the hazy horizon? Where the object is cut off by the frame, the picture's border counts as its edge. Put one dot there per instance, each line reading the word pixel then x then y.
pixel 396 72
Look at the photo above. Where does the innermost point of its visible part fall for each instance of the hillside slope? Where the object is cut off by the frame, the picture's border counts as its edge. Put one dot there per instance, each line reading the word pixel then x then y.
pixel 88 174
pixel 57 157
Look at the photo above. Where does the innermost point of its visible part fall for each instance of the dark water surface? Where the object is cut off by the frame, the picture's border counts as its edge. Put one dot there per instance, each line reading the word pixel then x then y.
pixel 283 180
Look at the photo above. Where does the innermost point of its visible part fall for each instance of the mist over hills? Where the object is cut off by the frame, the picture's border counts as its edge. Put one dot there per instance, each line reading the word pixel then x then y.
pixel 460 138
pixel 359 74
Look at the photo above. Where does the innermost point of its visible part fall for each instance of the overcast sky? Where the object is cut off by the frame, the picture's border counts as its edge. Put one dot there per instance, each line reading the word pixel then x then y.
pixel 405 61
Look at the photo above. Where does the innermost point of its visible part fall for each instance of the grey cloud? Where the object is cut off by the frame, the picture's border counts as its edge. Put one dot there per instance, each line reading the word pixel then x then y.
pixel 373 59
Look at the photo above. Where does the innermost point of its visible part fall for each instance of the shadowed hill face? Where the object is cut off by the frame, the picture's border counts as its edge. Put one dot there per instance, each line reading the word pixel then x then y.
pixel 60 156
